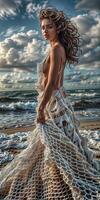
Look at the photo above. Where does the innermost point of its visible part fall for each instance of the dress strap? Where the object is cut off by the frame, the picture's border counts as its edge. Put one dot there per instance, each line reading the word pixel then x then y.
pixel 44 60
pixel 48 54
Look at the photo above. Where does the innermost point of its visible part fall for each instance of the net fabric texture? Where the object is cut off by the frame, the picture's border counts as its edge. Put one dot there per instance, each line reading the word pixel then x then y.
pixel 57 164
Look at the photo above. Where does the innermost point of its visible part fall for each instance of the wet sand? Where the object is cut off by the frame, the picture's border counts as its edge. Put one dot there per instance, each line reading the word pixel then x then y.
pixel 18 129
pixel 92 125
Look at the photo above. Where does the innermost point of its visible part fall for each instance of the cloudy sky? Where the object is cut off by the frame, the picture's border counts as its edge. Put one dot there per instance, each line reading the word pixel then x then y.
pixel 22 46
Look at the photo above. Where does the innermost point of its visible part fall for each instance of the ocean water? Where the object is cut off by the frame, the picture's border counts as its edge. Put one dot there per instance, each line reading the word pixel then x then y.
pixel 18 108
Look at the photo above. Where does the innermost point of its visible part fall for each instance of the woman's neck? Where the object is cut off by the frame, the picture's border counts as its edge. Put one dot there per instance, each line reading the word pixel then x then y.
pixel 54 41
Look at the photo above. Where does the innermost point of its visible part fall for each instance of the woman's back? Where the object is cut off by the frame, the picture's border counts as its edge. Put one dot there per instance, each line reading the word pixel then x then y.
pixel 61 65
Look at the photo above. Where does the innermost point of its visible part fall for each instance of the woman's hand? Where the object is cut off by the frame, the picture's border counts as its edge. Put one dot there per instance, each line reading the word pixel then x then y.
pixel 40 116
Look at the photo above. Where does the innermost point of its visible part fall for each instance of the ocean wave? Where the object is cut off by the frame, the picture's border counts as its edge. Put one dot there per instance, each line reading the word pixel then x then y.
pixel 93 138
pixel 85 103
pixel 89 113
pixel 84 94
pixel 31 105
pixel 17 106
pixel 17 141
pixel 15 96
pixel 5 157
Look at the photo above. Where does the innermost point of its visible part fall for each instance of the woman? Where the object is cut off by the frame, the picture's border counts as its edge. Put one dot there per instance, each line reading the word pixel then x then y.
pixel 57 164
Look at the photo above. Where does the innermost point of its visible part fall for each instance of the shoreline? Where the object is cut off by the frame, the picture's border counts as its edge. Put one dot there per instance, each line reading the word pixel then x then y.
pixel 84 124
pixel 90 124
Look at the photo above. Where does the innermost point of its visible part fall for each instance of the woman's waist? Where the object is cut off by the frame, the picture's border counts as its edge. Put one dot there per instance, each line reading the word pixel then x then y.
pixel 58 89
pixel 57 92
pixel 41 83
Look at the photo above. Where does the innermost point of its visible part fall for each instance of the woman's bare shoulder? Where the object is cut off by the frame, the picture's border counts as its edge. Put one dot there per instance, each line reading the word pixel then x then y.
pixel 57 51
pixel 56 47
pixel 54 54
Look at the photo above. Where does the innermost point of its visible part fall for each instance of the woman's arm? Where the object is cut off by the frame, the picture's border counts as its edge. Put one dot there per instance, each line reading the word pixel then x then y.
pixel 53 71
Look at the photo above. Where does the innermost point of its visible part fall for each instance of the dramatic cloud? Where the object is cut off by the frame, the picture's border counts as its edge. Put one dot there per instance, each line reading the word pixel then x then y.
pixel 17 80
pixel 12 56
pixel 16 77
pixel 33 8
pixel 20 39
pixel 22 49
pixel 32 33
pixel 9 8
pixel 89 28
pixel 88 5
pixel 85 22
pixel 13 30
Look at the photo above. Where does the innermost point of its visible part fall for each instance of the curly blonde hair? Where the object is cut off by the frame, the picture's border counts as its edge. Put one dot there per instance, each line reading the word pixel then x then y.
pixel 67 32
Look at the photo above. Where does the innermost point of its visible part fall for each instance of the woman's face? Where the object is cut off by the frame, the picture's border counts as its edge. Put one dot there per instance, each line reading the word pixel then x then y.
pixel 48 29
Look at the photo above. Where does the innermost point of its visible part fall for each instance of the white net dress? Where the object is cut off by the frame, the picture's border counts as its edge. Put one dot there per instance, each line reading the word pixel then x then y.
pixel 57 164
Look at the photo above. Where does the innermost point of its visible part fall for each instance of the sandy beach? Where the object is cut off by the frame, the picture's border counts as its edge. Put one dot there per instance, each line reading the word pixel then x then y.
pixel 92 125
pixel 86 124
